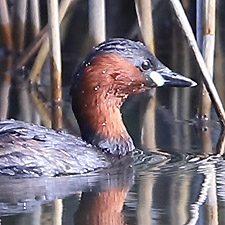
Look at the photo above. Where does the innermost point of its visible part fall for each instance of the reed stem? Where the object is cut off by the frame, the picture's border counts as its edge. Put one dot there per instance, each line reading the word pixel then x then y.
pixel 97 21
pixel 206 42
pixel 19 24
pixel 144 15
pixel 55 63
pixel 35 17
pixel 35 28
pixel 199 23
pixel 208 45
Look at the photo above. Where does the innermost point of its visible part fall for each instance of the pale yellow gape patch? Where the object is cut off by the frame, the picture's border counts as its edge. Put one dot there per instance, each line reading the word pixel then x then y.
pixel 157 78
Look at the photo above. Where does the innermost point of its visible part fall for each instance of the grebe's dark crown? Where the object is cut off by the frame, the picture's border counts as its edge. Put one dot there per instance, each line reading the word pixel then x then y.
pixel 133 51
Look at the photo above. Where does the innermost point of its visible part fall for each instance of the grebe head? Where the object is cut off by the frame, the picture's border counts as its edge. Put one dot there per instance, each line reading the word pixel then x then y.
pixel 112 71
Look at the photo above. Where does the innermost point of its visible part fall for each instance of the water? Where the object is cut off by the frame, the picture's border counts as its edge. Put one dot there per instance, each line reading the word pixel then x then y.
pixel 164 194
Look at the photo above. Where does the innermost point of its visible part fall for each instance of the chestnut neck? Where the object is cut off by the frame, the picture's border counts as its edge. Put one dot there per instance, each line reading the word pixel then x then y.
pixel 99 90
pixel 101 123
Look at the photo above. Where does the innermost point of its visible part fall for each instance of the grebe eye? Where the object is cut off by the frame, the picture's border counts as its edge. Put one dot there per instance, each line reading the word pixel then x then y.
pixel 146 65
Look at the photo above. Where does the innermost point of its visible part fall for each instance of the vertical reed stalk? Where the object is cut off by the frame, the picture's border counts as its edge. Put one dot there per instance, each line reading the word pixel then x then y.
pixel 199 23
pixel 35 16
pixel 7 38
pixel 35 27
pixel 208 45
pixel 206 76
pixel 97 21
pixel 205 25
pixel 144 15
pixel 55 61
pixel 19 24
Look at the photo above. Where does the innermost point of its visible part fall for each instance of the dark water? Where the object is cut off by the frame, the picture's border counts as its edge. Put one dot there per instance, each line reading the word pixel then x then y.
pixel 188 187
pixel 184 190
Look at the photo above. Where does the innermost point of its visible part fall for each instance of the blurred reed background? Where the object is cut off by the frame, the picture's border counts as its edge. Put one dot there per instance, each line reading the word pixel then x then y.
pixel 27 59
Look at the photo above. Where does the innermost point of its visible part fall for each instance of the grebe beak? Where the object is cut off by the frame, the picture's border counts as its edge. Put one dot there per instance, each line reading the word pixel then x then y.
pixel 166 77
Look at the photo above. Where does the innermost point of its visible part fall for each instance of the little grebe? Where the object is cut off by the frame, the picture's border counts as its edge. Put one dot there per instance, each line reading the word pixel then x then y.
pixel 111 72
